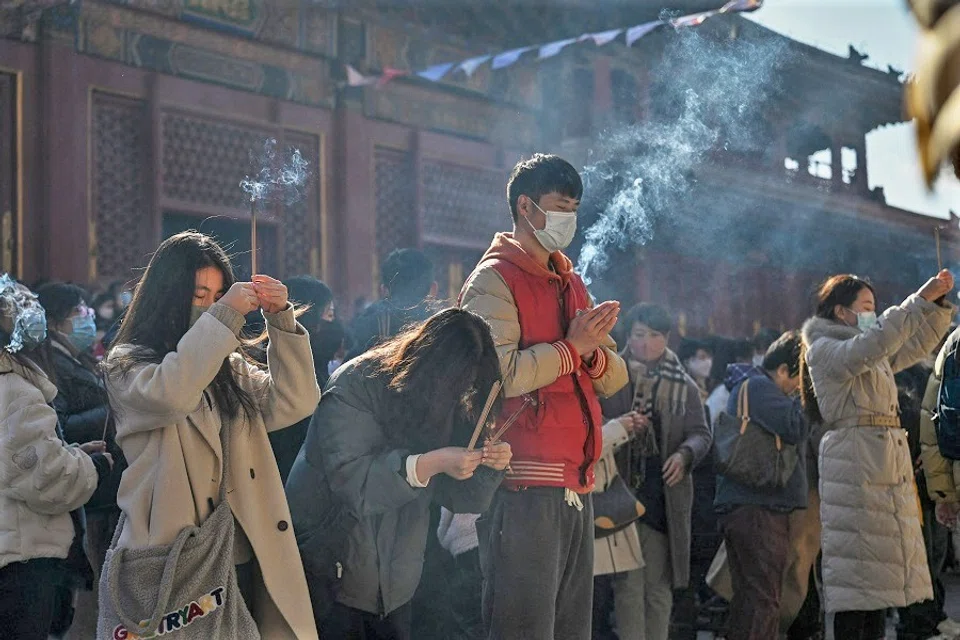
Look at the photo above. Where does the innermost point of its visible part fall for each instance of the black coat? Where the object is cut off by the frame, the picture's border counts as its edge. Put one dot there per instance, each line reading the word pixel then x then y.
pixel 347 454
pixel 81 406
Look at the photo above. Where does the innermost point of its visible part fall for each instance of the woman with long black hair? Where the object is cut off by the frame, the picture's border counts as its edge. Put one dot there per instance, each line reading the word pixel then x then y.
pixel 177 378
pixel 388 438
pixel 873 551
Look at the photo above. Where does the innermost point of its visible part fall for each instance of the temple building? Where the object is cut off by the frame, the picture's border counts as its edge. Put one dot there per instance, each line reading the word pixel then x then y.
pixel 123 122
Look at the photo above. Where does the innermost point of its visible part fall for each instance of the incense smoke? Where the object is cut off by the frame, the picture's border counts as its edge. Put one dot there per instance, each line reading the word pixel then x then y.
pixel 710 96
pixel 274 182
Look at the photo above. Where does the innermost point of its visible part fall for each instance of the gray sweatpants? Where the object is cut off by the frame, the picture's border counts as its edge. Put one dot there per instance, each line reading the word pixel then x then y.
pixel 536 554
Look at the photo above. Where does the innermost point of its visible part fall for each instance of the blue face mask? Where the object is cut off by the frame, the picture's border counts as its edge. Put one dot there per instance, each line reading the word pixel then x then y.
pixel 84 332
pixel 866 320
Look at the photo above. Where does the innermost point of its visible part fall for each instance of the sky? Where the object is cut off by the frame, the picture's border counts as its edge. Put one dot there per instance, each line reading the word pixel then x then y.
pixel 887 33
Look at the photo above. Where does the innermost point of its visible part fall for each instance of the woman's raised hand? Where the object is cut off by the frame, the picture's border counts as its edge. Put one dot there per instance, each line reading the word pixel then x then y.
pixel 242 298
pixel 937 287
pixel 271 292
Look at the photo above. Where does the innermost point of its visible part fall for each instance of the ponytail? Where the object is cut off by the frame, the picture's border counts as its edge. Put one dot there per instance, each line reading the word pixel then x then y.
pixel 808 397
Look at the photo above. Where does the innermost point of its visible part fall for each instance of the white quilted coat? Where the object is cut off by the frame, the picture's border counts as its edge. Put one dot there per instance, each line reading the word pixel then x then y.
pixel 873 553
pixel 41 478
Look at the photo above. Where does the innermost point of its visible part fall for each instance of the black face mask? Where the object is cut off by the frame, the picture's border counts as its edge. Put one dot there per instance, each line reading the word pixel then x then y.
pixel 326 340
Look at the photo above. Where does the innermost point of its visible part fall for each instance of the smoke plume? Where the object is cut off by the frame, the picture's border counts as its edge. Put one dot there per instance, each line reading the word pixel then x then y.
pixel 709 95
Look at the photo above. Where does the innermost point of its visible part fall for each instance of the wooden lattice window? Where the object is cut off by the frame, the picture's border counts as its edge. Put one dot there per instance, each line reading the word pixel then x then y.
pixel 463 206
pixel 395 192
pixel 301 220
pixel 119 147
pixel 204 159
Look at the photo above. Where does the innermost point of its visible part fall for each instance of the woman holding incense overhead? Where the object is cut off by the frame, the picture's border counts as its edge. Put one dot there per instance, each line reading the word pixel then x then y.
pixel 386 440
pixel 873 550
pixel 179 386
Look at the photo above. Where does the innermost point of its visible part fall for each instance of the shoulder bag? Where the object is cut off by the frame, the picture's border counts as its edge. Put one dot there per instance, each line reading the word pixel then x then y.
pixel 748 453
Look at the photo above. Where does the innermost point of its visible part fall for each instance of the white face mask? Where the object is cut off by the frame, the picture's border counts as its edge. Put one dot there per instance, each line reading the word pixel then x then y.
pixel 558 233
pixel 758 360
pixel 866 319
pixel 700 367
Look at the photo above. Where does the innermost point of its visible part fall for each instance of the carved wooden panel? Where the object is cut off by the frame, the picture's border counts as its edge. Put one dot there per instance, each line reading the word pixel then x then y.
pixel 9 183
pixel 395 198
pixel 300 225
pixel 204 159
pixel 119 150
pixel 463 206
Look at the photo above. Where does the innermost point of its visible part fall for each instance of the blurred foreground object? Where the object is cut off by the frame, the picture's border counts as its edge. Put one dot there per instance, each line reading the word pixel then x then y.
pixel 933 96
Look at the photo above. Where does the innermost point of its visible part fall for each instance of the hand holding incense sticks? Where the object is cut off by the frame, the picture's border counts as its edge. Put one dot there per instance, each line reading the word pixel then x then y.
pixel 482 420
pixel 936 235
pixel 253 237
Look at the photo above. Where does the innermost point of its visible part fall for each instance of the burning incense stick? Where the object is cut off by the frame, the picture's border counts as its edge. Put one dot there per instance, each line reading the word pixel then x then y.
pixel 253 237
pixel 482 420
pixel 936 235
pixel 509 423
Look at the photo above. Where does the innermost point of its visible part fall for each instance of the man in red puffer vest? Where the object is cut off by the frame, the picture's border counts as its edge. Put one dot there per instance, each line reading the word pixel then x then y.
pixel 556 356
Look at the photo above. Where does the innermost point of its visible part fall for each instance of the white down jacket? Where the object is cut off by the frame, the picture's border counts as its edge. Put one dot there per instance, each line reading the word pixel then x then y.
pixel 41 478
pixel 873 553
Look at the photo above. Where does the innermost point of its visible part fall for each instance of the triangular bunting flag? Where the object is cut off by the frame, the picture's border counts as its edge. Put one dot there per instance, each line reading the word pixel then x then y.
pixel 601 38
pixel 470 66
pixel 637 32
pixel 389 74
pixel 693 20
pixel 741 5
pixel 436 72
pixel 552 49
pixel 357 79
pixel 507 58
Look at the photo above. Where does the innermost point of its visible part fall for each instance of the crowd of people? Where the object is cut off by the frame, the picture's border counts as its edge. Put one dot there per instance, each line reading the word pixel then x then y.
pixel 495 467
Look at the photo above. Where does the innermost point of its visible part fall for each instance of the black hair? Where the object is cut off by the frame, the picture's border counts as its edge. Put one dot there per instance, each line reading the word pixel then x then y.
pixel 59 299
pixel 159 315
pixel 540 175
pixel 408 275
pixel 784 350
pixel 652 315
pixel 836 290
pixel 307 290
pixel 727 351
pixel 439 372
pixel 689 347
pixel 764 338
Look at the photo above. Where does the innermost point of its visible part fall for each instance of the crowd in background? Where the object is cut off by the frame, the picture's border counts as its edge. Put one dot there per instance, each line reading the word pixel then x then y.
pixel 131 400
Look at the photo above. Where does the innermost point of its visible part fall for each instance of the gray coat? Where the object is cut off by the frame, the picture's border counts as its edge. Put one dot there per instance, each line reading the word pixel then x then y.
pixel 690 433
pixel 873 551
pixel 388 519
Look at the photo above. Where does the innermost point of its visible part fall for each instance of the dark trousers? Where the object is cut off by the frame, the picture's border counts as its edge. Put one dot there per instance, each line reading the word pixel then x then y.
pixel 345 623
pixel 808 625
pixel 860 625
pixel 758 541
pixel 536 553
pixel 919 621
pixel 465 595
pixel 28 598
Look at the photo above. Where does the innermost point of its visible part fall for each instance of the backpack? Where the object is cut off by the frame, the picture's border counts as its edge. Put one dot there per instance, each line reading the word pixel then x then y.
pixel 946 420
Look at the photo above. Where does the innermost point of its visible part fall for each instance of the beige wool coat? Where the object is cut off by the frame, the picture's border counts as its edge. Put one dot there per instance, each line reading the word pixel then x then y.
pixel 169 431
pixel 873 552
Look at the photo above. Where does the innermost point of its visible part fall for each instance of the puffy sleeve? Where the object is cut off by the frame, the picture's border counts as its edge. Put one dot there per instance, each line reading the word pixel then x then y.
pixel 37 467
pixel 523 370
pixel 845 359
